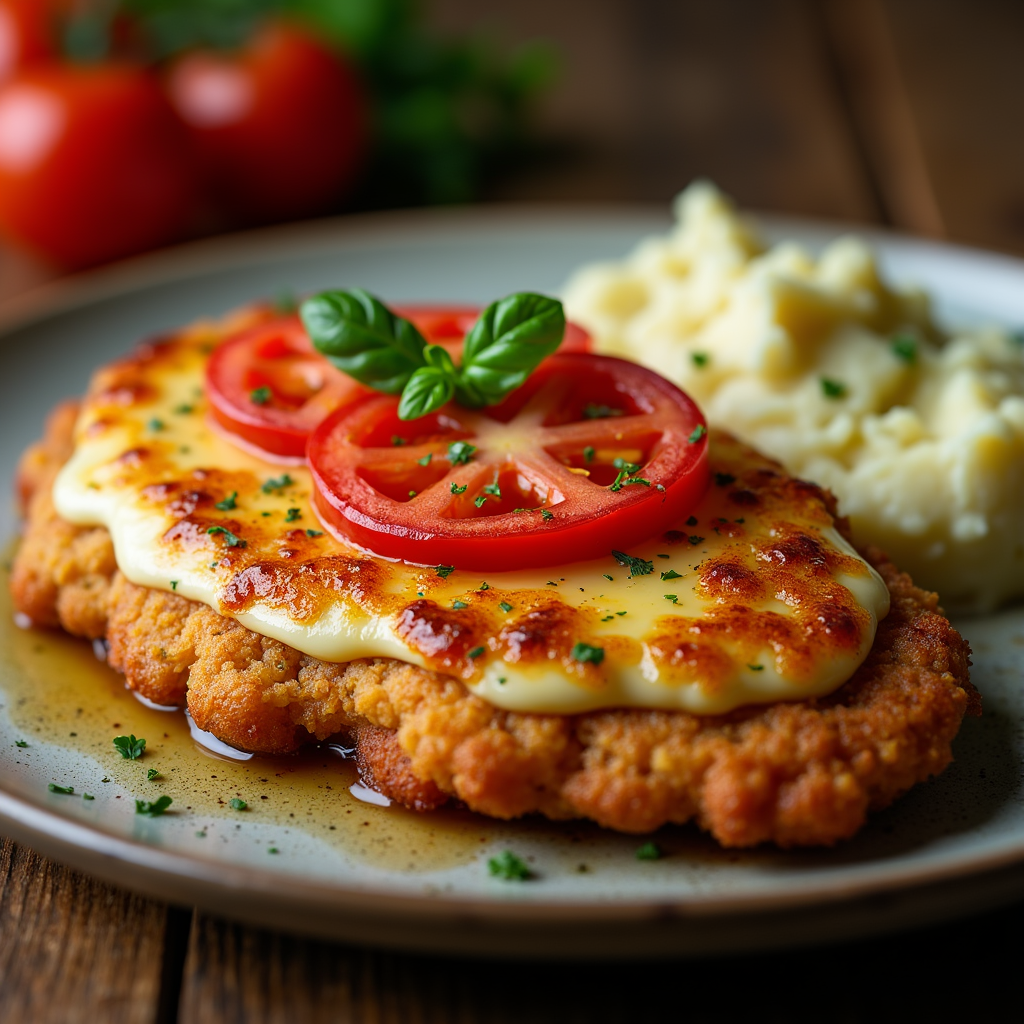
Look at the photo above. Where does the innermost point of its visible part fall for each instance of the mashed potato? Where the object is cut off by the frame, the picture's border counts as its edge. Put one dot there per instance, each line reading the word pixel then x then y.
pixel 843 377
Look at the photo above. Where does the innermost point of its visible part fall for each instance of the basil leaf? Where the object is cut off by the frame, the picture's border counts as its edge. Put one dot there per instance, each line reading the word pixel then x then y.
pixel 364 339
pixel 428 389
pixel 506 345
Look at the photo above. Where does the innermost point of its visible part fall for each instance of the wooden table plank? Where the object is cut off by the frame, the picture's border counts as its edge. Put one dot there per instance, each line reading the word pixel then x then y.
pixel 936 91
pixel 73 949
pixel 235 973
pixel 657 92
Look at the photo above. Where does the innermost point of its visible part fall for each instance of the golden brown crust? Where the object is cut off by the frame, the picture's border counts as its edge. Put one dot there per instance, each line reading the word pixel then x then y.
pixel 797 773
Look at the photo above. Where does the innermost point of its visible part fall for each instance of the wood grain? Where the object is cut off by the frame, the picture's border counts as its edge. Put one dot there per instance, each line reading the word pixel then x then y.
pixel 235 974
pixel 76 950
pixel 657 92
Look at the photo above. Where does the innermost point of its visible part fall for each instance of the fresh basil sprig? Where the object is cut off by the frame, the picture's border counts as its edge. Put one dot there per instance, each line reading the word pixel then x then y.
pixel 364 339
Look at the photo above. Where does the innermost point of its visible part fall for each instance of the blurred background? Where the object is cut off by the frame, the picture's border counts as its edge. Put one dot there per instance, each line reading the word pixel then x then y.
pixel 129 125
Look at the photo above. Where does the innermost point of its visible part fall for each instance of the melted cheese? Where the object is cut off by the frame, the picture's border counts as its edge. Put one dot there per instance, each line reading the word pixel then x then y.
pixel 755 598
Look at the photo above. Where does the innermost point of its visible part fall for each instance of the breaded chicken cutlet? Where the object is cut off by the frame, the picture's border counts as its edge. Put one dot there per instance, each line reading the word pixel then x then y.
pixel 797 773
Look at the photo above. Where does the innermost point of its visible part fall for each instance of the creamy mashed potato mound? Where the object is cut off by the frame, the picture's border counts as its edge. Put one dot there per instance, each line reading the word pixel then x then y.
pixel 843 377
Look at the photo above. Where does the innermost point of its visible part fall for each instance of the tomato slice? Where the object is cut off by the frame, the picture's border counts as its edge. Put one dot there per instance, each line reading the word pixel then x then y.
pixel 531 482
pixel 270 387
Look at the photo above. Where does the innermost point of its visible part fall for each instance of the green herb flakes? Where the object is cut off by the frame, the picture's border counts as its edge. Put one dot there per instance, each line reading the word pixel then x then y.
pixel 456 489
pixel 184 410
pixel 174 584
pixel 649 851
pixel 66 790
pixel 261 395
pixel 460 452
pixel 504 606
pixel 459 605
pixel 832 388
pixel 20 743
pixel 444 571
pixel 273 849
pixel 154 808
pixel 610 579
pixel 292 514
pixel 586 653
pixel 756 668
pixel 88 796
pixel 700 359
pixel 904 346
pixel 131 749
pixel 230 539
pixel 484 586
pixel 547 515
pixel 600 412
pixel 479 500
pixel 588 454
pixel 699 432
pixel 671 574
pixel 152 774
pixel 674 598
pixel 277 484
pixel 475 653
pixel 636 566
pixel 228 503
pixel 155 425
pixel 314 533
pixel 425 461
pixel 237 805
pixel 397 441
pixel 508 867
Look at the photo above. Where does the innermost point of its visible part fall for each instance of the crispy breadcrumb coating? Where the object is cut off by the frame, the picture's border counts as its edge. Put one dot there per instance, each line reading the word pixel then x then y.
pixel 800 773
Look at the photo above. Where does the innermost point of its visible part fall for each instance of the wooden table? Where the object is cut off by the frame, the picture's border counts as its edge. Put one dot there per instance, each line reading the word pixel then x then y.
pixel 900 112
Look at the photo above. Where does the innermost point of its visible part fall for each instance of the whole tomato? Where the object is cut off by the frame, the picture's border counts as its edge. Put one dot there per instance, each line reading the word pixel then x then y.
pixel 279 125
pixel 94 165
pixel 25 34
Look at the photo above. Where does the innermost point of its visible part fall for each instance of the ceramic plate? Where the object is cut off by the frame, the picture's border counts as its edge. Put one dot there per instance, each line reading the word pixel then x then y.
pixel 310 852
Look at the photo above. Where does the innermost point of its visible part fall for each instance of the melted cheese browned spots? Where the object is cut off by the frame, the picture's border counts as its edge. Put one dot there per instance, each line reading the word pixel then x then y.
pixel 755 596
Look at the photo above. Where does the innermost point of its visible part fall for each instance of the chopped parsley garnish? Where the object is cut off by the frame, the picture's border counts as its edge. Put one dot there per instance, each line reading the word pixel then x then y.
pixel 649 851
pixel 154 808
pixel 626 477
pixel 88 796
pixel 444 571
pixel 184 410
pixel 832 388
pixel 456 489
pixel 174 584
pixel 273 849
pixel 131 748
pixel 599 412
pixel 698 432
pixel 459 605
pixel 459 453
pixel 153 773
pixel 230 539
pixel 228 503
pixel 292 514
pixel 66 790
pixel 20 743
pixel 586 653
pixel 636 566
pixel 904 346
pixel 700 359
pixel 671 574
pixel 260 395
pixel 476 652
pixel 508 867
pixel 674 598
pixel 756 668
pixel 484 586
pixel 695 540
pixel 547 515
pixel 629 467
pixel 425 461
pixel 155 424
pixel 502 680
pixel 397 441
pixel 505 606
pixel 237 805
pixel 314 533
pixel 724 479
pixel 479 500
pixel 278 483
pixel 588 454
pixel 412 494
pixel 610 579
pixel 493 489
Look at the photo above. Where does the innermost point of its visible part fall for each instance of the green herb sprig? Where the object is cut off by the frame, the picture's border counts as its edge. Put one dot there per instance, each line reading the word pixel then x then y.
pixel 386 352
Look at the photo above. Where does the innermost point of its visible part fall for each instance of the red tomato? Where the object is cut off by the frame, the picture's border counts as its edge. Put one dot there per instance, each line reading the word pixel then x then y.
pixel 25 35
pixel 551 448
pixel 448 325
pixel 270 387
pixel 280 125
pixel 93 163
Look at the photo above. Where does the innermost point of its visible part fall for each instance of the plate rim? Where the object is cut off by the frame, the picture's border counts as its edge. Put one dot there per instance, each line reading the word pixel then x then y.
pixel 50 828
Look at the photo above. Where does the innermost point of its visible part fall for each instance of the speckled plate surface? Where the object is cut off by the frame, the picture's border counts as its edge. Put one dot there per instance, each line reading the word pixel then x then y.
pixel 307 853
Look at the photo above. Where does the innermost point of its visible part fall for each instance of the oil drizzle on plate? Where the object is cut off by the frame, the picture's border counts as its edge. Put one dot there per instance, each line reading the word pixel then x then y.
pixel 56 689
